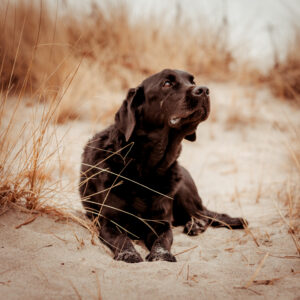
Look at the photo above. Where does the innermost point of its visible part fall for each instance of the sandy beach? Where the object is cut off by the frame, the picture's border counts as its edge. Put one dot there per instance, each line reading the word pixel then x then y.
pixel 241 164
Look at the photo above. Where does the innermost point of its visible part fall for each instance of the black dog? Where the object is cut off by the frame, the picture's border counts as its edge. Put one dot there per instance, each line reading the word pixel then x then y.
pixel 131 183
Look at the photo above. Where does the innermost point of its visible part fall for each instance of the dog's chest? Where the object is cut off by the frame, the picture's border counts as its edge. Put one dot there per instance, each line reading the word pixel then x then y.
pixel 148 182
pixel 149 195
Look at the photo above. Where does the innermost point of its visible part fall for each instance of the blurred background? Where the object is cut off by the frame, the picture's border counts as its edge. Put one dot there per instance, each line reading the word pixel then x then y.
pixel 114 44
pixel 260 25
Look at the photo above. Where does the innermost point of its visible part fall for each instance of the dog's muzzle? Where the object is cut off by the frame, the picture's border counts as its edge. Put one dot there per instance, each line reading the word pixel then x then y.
pixel 198 107
pixel 200 91
pixel 200 100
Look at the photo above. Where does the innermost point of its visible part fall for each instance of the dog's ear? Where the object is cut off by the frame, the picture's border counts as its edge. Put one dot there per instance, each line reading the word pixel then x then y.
pixel 191 137
pixel 125 118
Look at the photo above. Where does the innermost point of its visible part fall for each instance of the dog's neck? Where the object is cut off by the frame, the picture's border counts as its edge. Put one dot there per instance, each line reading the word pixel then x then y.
pixel 157 151
pixel 171 152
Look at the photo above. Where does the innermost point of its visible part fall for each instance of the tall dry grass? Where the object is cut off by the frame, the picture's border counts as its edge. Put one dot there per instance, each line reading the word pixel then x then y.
pixel 30 67
pixel 23 161
pixel 35 57
pixel 284 77
pixel 41 44
pixel 284 81
pixel 26 162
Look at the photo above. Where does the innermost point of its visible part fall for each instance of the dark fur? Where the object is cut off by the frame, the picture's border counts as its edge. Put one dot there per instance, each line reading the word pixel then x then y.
pixel 143 146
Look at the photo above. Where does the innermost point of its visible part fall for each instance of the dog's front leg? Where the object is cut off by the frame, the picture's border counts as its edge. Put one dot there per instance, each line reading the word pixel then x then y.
pixel 119 243
pixel 160 245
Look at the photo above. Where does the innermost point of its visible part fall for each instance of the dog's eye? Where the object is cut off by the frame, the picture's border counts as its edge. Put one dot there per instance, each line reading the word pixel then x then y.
pixel 167 83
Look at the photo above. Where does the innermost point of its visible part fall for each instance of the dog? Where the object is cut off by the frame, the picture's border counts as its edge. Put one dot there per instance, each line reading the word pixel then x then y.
pixel 131 184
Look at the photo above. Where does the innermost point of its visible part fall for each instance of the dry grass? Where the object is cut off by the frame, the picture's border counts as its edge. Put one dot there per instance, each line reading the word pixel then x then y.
pixel 34 55
pixel 284 77
pixel 290 218
pixel 22 164
pixel 27 182
pixel 35 62
pixel 293 191
pixel 40 46
pixel 289 195
pixel 24 161
pixel 237 118
pixel 25 154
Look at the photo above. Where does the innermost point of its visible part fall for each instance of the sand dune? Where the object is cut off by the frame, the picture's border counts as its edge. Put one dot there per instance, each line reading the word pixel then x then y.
pixel 241 165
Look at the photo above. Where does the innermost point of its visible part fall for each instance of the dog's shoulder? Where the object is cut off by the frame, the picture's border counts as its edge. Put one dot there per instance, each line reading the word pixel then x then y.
pixel 100 144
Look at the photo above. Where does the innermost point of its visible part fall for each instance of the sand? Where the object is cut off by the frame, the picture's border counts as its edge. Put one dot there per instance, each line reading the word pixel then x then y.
pixel 241 165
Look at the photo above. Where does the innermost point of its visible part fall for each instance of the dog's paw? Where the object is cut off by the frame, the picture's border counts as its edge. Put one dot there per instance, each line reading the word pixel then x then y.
pixel 238 223
pixel 194 227
pixel 129 256
pixel 160 254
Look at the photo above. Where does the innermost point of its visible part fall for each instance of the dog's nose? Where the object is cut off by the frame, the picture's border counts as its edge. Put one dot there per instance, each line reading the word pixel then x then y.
pixel 201 90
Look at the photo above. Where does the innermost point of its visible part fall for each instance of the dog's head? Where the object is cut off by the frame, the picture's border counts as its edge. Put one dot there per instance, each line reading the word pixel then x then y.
pixel 168 99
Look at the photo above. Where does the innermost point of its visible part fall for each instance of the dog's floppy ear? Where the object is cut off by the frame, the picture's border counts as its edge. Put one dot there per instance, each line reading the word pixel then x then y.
pixel 191 137
pixel 125 118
